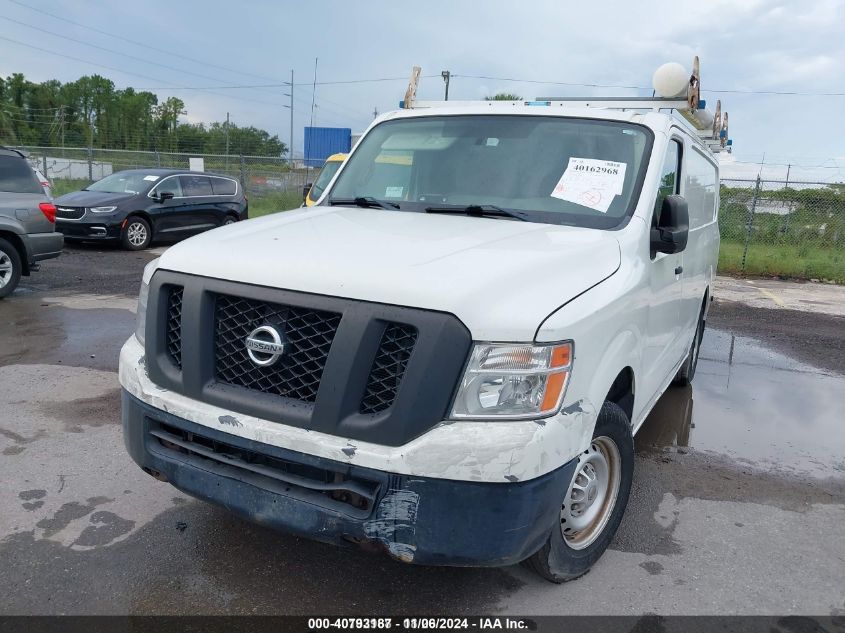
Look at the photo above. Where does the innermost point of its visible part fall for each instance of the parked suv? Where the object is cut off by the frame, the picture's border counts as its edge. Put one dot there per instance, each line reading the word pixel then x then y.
pixel 448 357
pixel 27 221
pixel 137 205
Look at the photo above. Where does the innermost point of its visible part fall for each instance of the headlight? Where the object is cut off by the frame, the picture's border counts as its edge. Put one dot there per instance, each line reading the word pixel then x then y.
pixel 101 209
pixel 513 381
pixel 141 321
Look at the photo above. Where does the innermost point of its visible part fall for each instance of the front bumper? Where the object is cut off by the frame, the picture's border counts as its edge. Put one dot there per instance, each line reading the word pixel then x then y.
pixel 76 230
pixel 414 519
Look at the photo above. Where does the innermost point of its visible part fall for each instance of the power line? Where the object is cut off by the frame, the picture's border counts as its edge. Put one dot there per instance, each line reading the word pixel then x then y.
pixel 110 50
pixel 618 86
pixel 547 83
pixel 127 72
pixel 520 80
pixel 307 83
pixel 137 43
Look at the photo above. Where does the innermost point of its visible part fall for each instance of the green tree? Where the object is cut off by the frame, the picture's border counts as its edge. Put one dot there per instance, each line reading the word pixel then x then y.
pixel 504 96
pixel 91 112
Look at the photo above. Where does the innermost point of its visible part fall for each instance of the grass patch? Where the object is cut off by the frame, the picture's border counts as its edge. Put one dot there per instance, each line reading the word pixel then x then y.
pixel 784 260
pixel 61 186
pixel 274 202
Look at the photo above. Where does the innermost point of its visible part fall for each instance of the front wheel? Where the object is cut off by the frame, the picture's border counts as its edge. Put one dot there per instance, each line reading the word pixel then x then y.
pixel 10 268
pixel 136 234
pixel 594 503
pixel 230 219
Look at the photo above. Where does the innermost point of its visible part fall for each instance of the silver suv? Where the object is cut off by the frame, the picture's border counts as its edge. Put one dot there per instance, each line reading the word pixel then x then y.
pixel 27 221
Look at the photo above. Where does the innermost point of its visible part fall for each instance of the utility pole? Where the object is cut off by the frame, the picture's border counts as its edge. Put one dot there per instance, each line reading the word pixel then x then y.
pixel 62 127
pixel 227 140
pixel 789 211
pixel 290 148
pixel 446 76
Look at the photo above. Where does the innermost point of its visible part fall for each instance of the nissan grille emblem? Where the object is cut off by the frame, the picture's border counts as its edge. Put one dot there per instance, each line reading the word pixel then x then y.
pixel 264 345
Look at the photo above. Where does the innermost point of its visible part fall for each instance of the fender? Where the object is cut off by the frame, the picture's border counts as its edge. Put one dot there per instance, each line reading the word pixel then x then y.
pixel 607 325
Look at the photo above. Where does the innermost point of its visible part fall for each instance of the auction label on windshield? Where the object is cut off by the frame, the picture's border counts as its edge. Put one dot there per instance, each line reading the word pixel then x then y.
pixel 591 182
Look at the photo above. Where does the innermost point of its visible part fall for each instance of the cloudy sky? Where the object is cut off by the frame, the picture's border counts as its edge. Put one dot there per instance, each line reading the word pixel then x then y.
pixel 173 48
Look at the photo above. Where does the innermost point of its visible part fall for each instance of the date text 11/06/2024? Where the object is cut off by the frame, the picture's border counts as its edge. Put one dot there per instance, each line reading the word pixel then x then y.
pixel 424 623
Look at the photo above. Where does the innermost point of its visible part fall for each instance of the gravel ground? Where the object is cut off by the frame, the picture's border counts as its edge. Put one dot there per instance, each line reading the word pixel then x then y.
pixel 737 504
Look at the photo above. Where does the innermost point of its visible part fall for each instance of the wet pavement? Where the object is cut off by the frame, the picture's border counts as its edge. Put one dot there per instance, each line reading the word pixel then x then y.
pixel 737 506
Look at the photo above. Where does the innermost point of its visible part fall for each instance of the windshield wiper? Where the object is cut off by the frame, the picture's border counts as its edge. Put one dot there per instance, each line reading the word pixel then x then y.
pixel 479 210
pixel 367 202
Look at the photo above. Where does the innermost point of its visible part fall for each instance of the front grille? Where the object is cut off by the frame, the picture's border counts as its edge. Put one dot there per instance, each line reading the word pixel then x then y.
pixel 332 488
pixel 308 333
pixel 174 325
pixel 361 370
pixel 70 213
pixel 395 349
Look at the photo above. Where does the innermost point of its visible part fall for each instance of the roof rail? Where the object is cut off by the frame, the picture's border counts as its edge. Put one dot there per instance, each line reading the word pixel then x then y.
pixel 711 128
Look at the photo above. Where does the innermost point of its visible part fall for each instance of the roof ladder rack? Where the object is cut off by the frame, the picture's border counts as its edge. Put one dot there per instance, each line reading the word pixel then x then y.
pixel 711 128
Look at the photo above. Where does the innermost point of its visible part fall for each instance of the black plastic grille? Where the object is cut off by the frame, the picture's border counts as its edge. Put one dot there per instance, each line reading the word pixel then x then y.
pixel 395 349
pixel 174 325
pixel 337 489
pixel 70 213
pixel 308 333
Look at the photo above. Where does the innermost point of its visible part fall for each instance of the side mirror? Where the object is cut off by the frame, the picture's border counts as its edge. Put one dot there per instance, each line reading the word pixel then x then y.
pixel 672 230
pixel 164 196
pixel 306 189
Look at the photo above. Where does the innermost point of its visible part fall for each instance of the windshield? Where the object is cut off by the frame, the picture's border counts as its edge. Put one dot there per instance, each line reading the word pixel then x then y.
pixel 557 170
pixel 325 177
pixel 125 182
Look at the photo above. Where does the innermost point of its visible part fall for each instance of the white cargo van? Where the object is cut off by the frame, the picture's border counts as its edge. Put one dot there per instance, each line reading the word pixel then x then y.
pixel 448 357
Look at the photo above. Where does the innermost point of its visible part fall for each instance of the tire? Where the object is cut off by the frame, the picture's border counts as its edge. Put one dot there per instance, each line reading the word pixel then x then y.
pixel 687 371
pixel 10 268
pixel 567 557
pixel 136 235
pixel 229 219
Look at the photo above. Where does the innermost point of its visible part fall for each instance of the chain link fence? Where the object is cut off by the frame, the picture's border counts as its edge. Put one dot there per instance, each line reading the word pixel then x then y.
pixel 784 229
pixel 271 183
pixel 768 227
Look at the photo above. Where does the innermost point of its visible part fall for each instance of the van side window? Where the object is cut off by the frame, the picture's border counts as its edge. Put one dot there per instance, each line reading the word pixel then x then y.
pixel 195 186
pixel 669 177
pixel 168 185
pixel 700 189
pixel 223 186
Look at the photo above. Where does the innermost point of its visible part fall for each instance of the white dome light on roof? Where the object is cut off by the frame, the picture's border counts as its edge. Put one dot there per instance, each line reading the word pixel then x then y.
pixel 671 80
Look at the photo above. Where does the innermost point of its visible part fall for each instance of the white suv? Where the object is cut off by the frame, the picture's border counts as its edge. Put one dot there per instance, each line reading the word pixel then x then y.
pixel 448 357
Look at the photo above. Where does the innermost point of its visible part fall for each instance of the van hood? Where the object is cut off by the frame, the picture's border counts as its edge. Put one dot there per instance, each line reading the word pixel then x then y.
pixel 502 278
pixel 92 199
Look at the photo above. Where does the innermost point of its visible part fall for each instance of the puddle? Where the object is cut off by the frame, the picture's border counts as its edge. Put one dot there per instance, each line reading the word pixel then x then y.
pixel 43 332
pixel 756 406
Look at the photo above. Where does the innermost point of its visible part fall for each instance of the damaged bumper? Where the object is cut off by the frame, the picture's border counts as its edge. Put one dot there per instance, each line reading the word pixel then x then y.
pixel 414 519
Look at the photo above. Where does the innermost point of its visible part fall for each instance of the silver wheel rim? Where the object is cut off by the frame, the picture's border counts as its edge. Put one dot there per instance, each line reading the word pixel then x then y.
pixel 6 269
pixel 228 221
pixel 136 233
pixel 592 493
